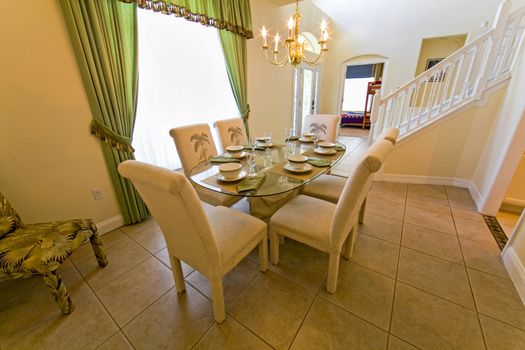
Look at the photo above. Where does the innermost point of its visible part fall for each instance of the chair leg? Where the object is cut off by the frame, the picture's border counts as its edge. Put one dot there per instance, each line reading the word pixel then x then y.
pixel 362 211
pixel 59 291
pixel 274 247
pixel 333 271
pixel 96 244
pixel 349 245
pixel 218 300
pixel 263 254
pixel 178 276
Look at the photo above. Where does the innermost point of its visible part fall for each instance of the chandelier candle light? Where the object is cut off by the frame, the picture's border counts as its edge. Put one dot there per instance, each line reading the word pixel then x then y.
pixel 295 44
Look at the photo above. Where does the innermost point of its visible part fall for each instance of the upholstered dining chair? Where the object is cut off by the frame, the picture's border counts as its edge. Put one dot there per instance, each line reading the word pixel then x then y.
pixel 195 145
pixel 231 132
pixel 327 125
pixel 213 242
pixel 329 187
pixel 324 225
pixel 39 249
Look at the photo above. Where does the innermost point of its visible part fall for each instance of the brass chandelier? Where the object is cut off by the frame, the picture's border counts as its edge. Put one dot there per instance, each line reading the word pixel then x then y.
pixel 295 43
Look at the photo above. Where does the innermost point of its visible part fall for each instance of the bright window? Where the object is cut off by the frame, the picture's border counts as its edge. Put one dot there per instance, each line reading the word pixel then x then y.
pixel 355 94
pixel 182 81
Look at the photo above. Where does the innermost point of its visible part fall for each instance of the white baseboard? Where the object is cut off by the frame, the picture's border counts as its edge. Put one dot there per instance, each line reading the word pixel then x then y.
pixel 424 180
pixel 110 224
pixel 476 195
pixel 516 270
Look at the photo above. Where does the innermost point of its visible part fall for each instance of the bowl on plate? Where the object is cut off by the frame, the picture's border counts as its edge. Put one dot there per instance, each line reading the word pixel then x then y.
pixel 307 136
pixel 326 144
pixel 297 161
pixel 230 170
pixel 234 150
pixel 263 141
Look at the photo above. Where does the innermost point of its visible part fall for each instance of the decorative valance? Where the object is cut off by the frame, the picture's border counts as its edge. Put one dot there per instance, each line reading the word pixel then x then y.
pixel 230 15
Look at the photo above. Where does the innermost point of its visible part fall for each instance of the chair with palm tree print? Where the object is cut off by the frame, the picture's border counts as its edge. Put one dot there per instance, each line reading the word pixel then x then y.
pixel 231 132
pixel 325 125
pixel 195 145
pixel 39 249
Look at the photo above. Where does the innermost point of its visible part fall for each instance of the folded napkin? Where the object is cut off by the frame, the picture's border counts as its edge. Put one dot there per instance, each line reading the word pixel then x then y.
pixel 340 148
pixel 251 183
pixel 319 162
pixel 223 159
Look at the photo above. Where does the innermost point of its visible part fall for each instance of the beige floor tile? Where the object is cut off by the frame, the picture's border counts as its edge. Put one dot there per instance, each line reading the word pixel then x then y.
pixel 131 293
pixel 398 197
pixel 273 308
pixel 122 257
pixel 483 257
pixel 234 282
pixel 385 207
pixel 86 327
pixel 436 276
pixel 147 234
pixel 459 194
pixel 430 322
pixel 499 335
pixel 302 264
pixel 175 321
pixel 108 240
pixel 117 342
pixel 376 254
pixel 398 344
pixel 507 218
pixel 497 297
pixel 230 335
pixel 364 293
pixel 430 219
pixel 462 210
pixel 435 191
pixel 329 327
pixel 442 245
pixel 393 187
pixel 30 304
pixel 382 227
pixel 473 230
pixel 428 202
pixel 163 256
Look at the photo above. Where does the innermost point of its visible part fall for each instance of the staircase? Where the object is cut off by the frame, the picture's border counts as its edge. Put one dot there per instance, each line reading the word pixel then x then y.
pixel 459 80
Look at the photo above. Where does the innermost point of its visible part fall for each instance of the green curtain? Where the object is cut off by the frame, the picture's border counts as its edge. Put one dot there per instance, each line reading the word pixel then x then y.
pixel 104 38
pixel 234 48
pixel 230 15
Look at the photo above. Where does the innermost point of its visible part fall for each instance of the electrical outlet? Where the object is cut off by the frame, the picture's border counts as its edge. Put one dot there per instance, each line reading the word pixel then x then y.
pixel 97 194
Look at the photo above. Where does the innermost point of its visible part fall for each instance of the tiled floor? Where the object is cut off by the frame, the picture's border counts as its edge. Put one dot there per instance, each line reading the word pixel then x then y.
pixel 424 275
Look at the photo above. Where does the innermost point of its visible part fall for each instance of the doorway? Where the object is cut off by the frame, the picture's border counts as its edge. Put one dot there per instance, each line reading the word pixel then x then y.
pixel 514 201
pixel 306 93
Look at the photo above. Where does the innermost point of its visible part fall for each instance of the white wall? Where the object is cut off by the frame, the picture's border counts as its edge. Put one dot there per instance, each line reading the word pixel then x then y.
pixel 48 159
pixel 516 192
pixel 395 30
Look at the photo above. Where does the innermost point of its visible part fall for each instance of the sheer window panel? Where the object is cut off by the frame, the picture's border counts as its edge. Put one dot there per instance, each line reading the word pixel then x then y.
pixel 182 81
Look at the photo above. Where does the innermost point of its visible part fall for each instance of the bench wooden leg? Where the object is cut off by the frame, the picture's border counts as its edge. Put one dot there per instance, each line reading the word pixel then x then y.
pixel 96 244
pixel 59 291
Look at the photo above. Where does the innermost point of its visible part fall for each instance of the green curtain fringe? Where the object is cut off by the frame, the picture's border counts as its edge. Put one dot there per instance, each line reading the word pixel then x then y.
pixel 180 11
pixel 113 143
pixel 245 115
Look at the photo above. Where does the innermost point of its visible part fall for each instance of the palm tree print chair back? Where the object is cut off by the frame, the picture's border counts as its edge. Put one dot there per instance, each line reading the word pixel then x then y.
pixel 231 132
pixel 326 125
pixel 194 145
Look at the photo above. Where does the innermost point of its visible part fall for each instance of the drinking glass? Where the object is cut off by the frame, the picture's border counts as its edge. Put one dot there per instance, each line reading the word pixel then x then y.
pixel 268 137
pixel 252 166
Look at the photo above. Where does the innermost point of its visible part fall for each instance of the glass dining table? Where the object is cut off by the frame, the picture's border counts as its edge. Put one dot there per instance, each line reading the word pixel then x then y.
pixel 279 184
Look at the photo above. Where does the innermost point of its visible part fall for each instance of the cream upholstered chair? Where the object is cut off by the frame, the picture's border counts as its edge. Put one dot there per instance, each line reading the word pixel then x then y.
pixel 329 187
pixel 326 124
pixel 231 132
pixel 212 242
pixel 195 145
pixel 324 225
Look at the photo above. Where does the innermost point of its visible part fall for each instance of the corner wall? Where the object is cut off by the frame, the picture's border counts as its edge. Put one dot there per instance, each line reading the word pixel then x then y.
pixel 48 159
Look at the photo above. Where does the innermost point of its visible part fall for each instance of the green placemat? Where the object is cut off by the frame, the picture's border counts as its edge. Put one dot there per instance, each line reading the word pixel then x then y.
pixel 251 183
pixel 319 162
pixel 222 159
pixel 340 148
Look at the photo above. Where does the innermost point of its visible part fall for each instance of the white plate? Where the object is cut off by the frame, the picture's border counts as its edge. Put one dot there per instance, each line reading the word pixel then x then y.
pixel 305 140
pixel 241 155
pixel 307 167
pixel 241 176
pixel 264 145
pixel 325 151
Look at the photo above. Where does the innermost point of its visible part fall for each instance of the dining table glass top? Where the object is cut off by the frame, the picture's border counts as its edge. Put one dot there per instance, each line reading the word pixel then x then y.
pixel 271 167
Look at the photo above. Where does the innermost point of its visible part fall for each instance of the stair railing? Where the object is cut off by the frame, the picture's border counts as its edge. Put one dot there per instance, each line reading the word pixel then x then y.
pixel 454 82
